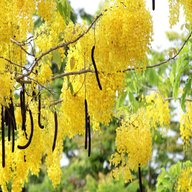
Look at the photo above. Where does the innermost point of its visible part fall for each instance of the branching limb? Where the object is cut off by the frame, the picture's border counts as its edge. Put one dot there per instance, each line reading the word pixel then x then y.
pixel 13 63
pixel 65 44
pixel 21 46
pixel 168 60
pixel 83 71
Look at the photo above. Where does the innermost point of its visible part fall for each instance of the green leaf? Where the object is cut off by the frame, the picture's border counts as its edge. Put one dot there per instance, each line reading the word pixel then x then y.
pixel 153 77
pixel 65 9
pixel 57 58
pixel 186 91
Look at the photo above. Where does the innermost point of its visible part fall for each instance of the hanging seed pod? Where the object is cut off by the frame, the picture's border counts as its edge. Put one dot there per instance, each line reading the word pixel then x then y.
pixel 24 158
pixel 86 125
pixel 89 135
pixel 56 130
pixel 31 135
pixel 153 5
pixel 13 123
pixel 13 114
pixel 23 109
pixel 39 112
pixel 95 67
pixel 13 139
pixel 8 122
pixel 3 136
pixel 140 178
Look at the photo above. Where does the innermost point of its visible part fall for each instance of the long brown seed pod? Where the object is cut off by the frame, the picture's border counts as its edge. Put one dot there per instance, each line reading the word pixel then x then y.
pixel 14 127
pixel 89 135
pixel 31 135
pixel 140 179
pixel 23 110
pixel 3 136
pixel 86 125
pixel 13 114
pixel 95 67
pixel 8 122
pixel 56 130
pixel 39 112
pixel 13 139
pixel 153 5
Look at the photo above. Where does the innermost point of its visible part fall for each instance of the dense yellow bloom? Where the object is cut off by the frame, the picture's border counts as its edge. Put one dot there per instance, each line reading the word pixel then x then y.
pixel 185 125
pixel 184 183
pixel 174 9
pixel 45 74
pixel 134 138
pixel 157 110
pixel 134 145
pixel 124 29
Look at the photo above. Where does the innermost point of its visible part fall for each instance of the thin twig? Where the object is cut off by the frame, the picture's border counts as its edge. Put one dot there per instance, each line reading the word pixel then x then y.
pixel 13 63
pixel 65 44
pixel 83 71
pixel 166 61
pixel 21 46
pixel 171 98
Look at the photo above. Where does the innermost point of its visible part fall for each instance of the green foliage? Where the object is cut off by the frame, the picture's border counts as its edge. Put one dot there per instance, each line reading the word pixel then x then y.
pixel 65 9
pixel 110 185
pixel 167 179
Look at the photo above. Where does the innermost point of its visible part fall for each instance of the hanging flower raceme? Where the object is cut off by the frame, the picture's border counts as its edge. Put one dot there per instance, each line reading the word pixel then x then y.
pixel 185 125
pixel 174 9
pixel 134 136
pixel 134 145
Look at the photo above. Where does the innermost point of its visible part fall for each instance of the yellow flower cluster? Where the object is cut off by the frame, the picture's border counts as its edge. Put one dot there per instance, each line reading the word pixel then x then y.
pixel 134 139
pixel 185 125
pixel 124 29
pixel 6 82
pixel 174 9
pixel 123 35
pixel 22 162
pixel 46 9
pixel 157 110
pixel 134 145
pixel 45 74
pixel 184 182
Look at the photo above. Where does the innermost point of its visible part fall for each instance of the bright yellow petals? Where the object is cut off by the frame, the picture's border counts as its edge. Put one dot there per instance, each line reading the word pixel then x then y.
pixel 184 182
pixel 174 9
pixel 6 85
pixel 134 145
pixel 158 110
pixel 124 29
pixel 46 9
pixel 45 74
pixel 185 125
pixel 134 138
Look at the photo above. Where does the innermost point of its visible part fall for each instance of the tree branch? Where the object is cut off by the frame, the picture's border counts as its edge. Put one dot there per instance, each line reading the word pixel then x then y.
pixel 83 71
pixel 73 73
pixel 65 44
pixel 166 61
pixel 21 46
pixel 13 63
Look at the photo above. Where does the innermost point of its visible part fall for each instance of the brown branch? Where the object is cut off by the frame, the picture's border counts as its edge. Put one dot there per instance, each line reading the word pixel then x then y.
pixel 83 71
pixel 30 39
pixel 65 44
pixel 21 46
pixel 171 98
pixel 168 60
pixel 13 63
pixel 56 102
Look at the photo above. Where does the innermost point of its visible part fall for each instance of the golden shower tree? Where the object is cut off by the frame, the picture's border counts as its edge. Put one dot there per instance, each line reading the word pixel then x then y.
pixel 97 56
